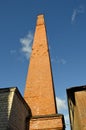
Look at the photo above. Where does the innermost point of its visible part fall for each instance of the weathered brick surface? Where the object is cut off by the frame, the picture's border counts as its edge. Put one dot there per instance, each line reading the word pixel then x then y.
pixel 80 98
pixel 39 90
pixel 3 111
pixel 47 123
pixel 18 113
pixel 13 110
pixel 5 108
pixel 77 107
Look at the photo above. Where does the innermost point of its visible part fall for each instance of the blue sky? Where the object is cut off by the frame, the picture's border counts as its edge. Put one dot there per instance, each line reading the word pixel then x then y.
pixel 66 31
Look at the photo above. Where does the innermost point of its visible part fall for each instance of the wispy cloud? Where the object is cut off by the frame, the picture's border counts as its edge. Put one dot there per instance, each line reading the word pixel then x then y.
pixel 62 61
pixel 26 43
pixel 59 61
pixel 62 108
pixel 76 12
pixel 66 119
pixel 74 15
pixel 61 104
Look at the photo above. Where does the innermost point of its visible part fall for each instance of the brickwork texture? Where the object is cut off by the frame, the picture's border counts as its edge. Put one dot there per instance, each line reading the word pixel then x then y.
pixel 77 107
pixel 39 90
pixel 13 110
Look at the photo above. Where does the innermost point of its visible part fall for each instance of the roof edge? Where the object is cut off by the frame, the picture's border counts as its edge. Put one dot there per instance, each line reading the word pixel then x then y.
pixel 75 89
pixel 15 89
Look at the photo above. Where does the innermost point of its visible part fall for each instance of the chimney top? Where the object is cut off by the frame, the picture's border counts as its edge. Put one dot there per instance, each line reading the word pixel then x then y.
pixel 40 19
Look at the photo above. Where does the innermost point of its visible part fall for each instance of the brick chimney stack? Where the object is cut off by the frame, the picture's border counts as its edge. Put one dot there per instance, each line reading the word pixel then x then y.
pixel 39 90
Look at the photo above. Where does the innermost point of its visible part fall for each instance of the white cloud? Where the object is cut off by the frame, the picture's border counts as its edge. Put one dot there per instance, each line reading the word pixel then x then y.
pixel 59 61
pixel 66 119
pixel 74 15
pixel 61 104
pixel 76 12
pixel 26 43
pixel 62 108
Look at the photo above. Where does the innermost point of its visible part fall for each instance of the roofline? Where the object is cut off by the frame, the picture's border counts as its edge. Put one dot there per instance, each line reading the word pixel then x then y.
pixel 76 89
pixel 15 89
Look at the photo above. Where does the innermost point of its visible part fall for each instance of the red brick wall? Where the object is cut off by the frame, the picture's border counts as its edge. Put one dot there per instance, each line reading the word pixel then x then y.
pixel 47 123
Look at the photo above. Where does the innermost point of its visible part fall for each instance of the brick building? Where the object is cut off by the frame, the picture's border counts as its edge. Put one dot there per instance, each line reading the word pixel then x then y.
pixel 77 107
pixel 14 111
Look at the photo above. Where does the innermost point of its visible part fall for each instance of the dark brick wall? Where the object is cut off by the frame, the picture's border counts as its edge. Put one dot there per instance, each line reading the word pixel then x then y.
pixel 3 110
pixel 13 110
